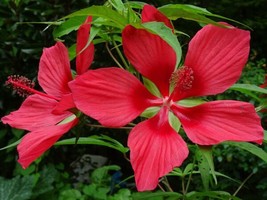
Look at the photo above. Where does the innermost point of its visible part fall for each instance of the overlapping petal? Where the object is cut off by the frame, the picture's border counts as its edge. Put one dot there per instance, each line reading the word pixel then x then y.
pixel 150 55
pixel 112 96
pixel 217 121
pixel 155 150
pixel 150 14
pixel 85 55
pixel 35 143
pixel 217 56
pixel 35 112
pixel 54 70
pixel 65 103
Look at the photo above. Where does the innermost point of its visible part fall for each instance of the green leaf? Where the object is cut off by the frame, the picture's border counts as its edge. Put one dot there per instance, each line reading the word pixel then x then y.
pixel 18 188
pixel 136 4
pixel 174 122
pixel 150 112
pixel 212 194
pixel 118 5
pixel 166 34
pixel 70 194
pixel 68 26
pixel 248 87
pixel 101 11
pixel 151 87
pixel 265 136
pixel 122 194
pixel 190 102
pixel 155 195
pixel 188 12
pixel 205 165
pixel 95 140
pixel 194 13
pixel 100 175
pixel 68 119
pixel 11 145
pixel 255 150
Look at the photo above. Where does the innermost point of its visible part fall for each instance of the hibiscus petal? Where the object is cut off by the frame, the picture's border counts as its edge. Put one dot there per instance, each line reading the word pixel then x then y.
pixel 54 70
pixel 150 13
pixel 217 121
pixel 35 112
pixel 65 103
pixel 217 56
pixel 112 96
pixel 84 56
pixel 35 143
pixel 150 55
pixel 155 149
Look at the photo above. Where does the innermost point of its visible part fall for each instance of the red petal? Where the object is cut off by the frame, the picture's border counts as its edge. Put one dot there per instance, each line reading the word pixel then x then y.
pixel 54 70
pixel 155 150
pixel 150 13
pixel 217 121
pixel 150 55
pixel 66 103
pixel 35 143
pixel 217 56
pixel 35 112
pixel 84 56
pixel 111 95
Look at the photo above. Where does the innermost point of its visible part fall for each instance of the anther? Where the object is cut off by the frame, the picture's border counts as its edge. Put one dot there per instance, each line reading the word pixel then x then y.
pixel 182 78
pixel 20 84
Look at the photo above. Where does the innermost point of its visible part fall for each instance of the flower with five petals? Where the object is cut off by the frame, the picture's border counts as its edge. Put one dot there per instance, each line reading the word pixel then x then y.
pixel 214 61
pixel 48 115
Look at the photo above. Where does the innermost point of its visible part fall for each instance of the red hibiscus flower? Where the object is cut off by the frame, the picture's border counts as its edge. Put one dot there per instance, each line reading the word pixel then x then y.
pixel 214 61
pixel 47 115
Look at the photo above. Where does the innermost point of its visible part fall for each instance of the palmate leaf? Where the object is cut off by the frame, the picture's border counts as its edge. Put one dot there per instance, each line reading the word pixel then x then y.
pixel 102 140
pixel 18 188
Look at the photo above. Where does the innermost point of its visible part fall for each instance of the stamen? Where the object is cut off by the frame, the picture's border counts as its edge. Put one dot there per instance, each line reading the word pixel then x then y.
pixel 182 78
pixel 24 87
pixel 21 85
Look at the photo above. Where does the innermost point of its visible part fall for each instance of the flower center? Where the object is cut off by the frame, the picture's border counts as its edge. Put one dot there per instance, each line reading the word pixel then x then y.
pixel 24 87
pixel 182 79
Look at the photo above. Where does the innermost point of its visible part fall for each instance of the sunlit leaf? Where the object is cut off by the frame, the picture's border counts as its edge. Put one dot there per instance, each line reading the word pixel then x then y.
pixel 101 11
pixel 151 87
pixel 68 26
pixel 166 34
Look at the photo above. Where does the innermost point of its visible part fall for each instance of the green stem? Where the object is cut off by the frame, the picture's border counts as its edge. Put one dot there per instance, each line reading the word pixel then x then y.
pixel 120 54
pixel 113 57
pixel 190 176
pixel 242 184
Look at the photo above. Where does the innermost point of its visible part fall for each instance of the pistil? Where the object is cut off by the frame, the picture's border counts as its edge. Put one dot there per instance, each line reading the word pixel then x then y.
pixel 24 87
